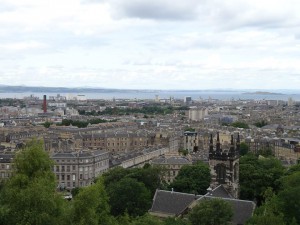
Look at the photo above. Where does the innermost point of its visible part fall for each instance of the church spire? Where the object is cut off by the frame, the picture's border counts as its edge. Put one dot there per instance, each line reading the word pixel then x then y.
pixel 231 145
pixel 218 143
pixel 211 143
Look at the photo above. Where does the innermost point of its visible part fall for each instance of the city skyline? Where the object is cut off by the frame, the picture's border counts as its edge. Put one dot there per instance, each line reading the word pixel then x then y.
pixel 150 44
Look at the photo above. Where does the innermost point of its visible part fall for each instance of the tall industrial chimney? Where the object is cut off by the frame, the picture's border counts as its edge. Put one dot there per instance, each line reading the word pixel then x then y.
pixel 45 104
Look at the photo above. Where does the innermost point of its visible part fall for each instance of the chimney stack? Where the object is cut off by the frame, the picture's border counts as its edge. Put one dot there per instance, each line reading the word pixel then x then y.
pixel 45 104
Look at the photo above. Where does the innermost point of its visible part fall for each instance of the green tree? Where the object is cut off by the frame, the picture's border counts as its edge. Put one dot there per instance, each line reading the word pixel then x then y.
pixel 289 197
pixel 244 148
pixel 261 123
pixel 91 206
pixel 211 212
pixel 269 212
pixel 129 195
pixel 149 176
pixel 29 196
pixel 47 124
pixel 192 179
pixel 176 221
pixel 239 124
pixel 183 151
pixel 266 151
pixel 257 174
pixel 147 220
pixel 114 175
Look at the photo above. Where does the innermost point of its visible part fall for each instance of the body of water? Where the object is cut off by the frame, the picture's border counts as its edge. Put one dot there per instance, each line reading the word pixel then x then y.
pixel 196 95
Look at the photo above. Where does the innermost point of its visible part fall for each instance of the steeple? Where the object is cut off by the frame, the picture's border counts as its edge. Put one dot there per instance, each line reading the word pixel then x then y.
pixel 218 146
pixel 231 145
pixel 211 143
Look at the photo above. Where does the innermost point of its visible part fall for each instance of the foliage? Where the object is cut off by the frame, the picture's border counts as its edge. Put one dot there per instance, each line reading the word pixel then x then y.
pixel 293 169
pixel 29 196
pixel 239 124
pixel 244 148
pixel 114 175
pixel 266 151
pixel 147 110
pixel 289 197
pixel 269 212
pixel 189 129
pixel 47 124
pixel 211 212
pixel 183 151
pixel 82 124
pixel 192 179
pixel 147 220
pixel 149 176
pixel 75 191
pixel 129 195
pixel 90 206
pixel 176 221
pixel 261 123
pixel 257 174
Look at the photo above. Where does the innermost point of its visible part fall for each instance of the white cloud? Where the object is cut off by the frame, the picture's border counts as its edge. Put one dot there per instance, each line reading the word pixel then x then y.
pixel 150 44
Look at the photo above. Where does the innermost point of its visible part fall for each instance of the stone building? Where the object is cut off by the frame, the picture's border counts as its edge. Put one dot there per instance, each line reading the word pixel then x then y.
pixel 172 165
pixel 6 165
pixel 79 169
pixel 191 141
pixel 224 165
pixel 197 114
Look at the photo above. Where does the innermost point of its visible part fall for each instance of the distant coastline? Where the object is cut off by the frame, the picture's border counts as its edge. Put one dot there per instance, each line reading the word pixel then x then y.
pixel 262 93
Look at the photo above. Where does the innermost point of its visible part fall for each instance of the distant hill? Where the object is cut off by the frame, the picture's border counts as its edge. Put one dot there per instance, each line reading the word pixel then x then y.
pixel 262 93
pixel 22 89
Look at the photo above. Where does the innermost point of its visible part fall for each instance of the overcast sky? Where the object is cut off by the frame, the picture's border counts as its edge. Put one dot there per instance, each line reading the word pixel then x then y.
pixel 151 44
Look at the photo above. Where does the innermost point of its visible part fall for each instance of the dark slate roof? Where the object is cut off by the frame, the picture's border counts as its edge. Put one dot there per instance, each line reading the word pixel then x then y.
pixel 172 203
pixel 175 203
pixel 221 192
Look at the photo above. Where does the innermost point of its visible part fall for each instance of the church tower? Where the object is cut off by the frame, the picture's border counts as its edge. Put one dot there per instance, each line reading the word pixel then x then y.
pixel 224 165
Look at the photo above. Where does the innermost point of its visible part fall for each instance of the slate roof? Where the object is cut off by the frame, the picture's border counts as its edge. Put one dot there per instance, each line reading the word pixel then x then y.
pixel 175 203
pixel 172 203
pixel 221 192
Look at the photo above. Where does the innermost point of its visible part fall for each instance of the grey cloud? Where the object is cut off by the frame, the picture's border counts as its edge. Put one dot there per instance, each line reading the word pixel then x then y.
pixel 155 9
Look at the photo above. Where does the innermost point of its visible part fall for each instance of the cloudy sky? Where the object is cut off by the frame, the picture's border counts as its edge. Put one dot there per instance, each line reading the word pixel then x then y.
pixel 151 44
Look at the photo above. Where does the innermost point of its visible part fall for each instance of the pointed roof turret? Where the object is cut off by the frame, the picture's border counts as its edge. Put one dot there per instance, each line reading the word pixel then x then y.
pixel 218 149
pixel 211 143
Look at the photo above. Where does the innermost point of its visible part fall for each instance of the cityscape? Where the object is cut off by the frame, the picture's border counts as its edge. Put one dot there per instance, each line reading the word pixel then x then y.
pixel 149 112
pixel 88 138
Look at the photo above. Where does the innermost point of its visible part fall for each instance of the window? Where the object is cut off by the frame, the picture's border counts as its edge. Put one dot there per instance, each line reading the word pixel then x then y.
pixel 57 168
pixel 221 173
pixel 73 167
pixel 62 168
pixel 73 177
pixel 62 176
pixel 68 168
pixel 68 177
